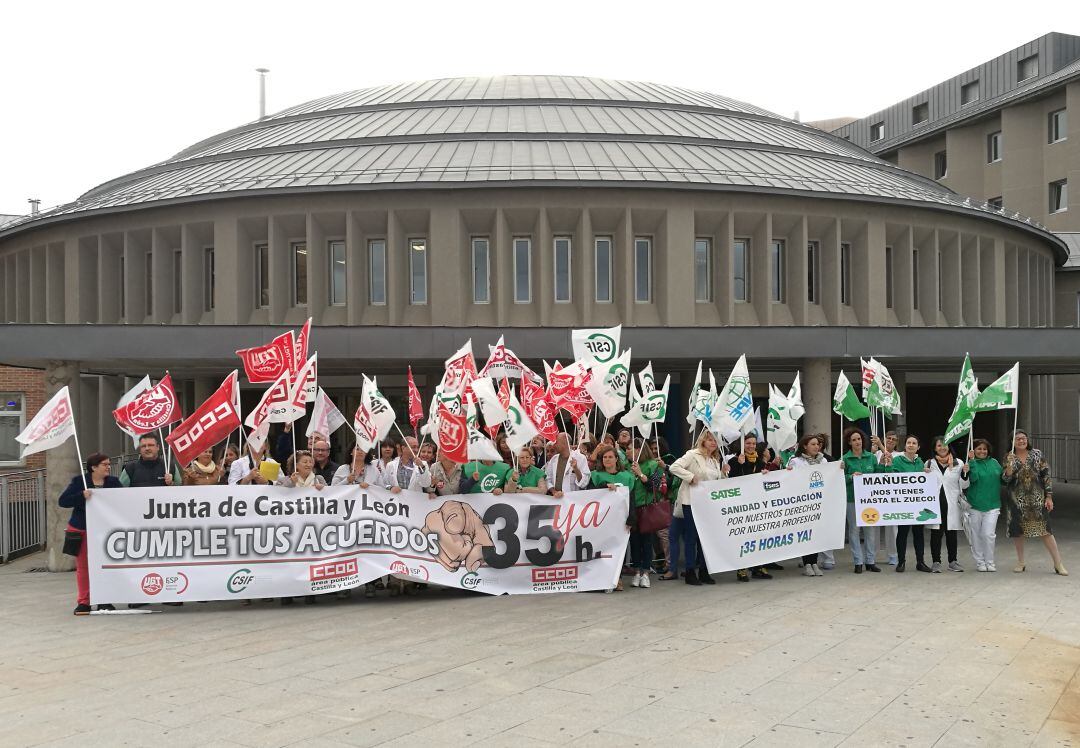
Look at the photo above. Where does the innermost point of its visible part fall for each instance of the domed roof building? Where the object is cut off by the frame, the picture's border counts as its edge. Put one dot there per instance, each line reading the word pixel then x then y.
pixel 406 219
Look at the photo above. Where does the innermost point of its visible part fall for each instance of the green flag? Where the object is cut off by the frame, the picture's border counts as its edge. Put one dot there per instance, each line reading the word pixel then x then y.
pixel 964 410
pixel 882 393
pixel 1002 394
pixel 846 403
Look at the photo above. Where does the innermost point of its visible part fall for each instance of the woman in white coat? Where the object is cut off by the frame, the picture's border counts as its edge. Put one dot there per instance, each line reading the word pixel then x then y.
pixel 952 502
pixel 362 471
pixel 702 463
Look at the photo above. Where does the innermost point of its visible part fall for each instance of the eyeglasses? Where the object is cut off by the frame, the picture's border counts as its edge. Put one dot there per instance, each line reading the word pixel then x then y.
pixel 321 449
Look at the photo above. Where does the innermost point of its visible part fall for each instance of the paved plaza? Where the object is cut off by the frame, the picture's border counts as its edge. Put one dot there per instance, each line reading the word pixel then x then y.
pixel 877 659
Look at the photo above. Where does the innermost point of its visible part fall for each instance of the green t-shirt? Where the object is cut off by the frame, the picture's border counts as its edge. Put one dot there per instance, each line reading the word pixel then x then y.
pixel 530 478
pixel 984 493
pixel 491 476
pixel 642 492
pixel 623 477
pixel 866 463
pixel 901 464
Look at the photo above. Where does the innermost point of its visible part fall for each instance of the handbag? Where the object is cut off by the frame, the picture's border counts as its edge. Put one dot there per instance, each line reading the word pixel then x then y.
pixel 653 517
pixel 72 543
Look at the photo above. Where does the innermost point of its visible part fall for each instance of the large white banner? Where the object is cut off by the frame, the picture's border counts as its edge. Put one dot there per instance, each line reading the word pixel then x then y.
pixel 224 542
pixel 897 499
pixel 758 519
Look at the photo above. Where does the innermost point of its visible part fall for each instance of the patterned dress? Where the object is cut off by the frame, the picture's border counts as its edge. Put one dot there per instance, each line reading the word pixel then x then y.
pixel 1025 508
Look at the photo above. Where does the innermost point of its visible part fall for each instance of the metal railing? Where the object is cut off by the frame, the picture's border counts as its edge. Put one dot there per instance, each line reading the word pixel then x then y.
pixel 22 513
pixel 1062 451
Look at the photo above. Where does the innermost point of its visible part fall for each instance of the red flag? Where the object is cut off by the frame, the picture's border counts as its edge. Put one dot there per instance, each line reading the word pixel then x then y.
pixel 504 394
pixel 566 389
pixel 276 404
pixel 300 347
pixel 155 408
pixel 416 407
pixel 460 370
pixel 504 362
pixel 212 422
pixel 265 363
pixel 539 409
pixel 452 436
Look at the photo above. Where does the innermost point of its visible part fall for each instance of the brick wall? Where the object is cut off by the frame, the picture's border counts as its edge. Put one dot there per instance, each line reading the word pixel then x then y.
pixel 31 383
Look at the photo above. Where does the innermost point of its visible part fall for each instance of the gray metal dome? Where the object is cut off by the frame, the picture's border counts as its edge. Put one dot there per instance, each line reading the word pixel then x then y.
pixel 519 130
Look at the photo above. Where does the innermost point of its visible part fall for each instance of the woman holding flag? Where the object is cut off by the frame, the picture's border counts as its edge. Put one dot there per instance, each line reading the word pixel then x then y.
pixel 983 473
pixel 1030 500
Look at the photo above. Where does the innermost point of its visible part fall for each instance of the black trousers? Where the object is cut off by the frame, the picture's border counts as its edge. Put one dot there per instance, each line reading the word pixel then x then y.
pixel 917 539
pixel 950 535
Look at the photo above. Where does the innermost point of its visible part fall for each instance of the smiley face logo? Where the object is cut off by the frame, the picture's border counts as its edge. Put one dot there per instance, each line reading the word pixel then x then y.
pixel 871 516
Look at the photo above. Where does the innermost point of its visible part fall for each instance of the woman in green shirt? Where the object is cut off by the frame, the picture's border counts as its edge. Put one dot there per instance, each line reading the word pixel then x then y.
pixel 611 474
pixel 984 503
pixel 857 461
pixel 648 474
pixel 908 462
pixel 527 478
pixel 486 476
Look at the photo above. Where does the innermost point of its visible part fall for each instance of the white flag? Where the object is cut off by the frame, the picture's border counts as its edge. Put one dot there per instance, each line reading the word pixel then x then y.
pixel 481 448
pixel 276 403
pixel 325 416
pixel 382 414
pixel 490 407
pixel 608 385
pixel 781 423
pixel 646 379
pixel 307 380
pixel 753 426
pixel 53 425
pixel 794 397
pixel 520 430
pixel 735 405
pixel 257 437
pixel 596 346
pixel 650 409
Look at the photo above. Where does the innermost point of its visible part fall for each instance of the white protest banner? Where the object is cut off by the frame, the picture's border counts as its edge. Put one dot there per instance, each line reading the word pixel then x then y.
pixel 897 499
pixel 225 542
pixel 762 518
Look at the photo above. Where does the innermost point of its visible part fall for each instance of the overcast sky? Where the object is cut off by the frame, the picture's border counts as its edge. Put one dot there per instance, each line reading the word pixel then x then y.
pixel 92 91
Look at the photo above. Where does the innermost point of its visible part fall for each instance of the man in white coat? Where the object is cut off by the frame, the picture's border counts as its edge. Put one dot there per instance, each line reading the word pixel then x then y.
pixel 567 470
pixel 406 471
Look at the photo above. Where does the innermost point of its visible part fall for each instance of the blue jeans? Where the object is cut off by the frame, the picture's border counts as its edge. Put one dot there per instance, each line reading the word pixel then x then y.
pixel 691 546
pixel 641 557
pixel 863 540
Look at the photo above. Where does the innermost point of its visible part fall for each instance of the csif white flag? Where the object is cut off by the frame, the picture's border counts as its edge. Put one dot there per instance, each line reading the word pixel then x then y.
pixel 382 414
pixel 596 346
pixel 609 383
pixel 650 408
pixel 493 411
pixel 53 425
pixel 520 430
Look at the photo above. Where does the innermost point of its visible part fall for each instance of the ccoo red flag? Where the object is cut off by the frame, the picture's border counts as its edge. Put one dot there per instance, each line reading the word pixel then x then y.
pixel 416 406
pixel 212 422
pixel 300 347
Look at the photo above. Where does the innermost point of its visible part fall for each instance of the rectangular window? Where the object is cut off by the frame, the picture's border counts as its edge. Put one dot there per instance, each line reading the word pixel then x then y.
pixel 12 422
pixel 178 281
pixel 602 246
pixel 377 272
pixel 562 269
pixel 888 277
pixel 1057 126
pixel 941 165
pixel 208 279
pixel 299 273
pixel 741 269
pixel 418 271
pixel 1027 68
pixel 262 276
pixel 920 113
pixel 813 272
pixel 845 273
pixel 993 147
pixel 148 280
pixel 481 271
pixel 996 202
pixel 1059 196
pixel 969 92
pixel 642 269
pixel 776 270
pixel 877 131
pixel 123 288
pixel 915 279
pixel 703 271
pixel 522 270
pixel 335 253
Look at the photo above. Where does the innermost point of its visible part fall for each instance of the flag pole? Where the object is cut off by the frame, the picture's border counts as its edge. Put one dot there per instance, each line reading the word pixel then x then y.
pixel 78 453
pixel 164 452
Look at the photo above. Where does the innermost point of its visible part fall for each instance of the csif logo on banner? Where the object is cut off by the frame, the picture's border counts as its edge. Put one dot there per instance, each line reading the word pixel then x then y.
pixel 601 346
pixel 239 581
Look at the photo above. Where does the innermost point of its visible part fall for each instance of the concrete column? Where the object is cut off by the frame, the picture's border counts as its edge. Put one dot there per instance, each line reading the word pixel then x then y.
pixel 817 396
pixel 868 275
pixel 761 269
pixel 318 270
pixel 111 439
pixel 673 268
pixel 830 272
pixel 797 272
pixel 397 269
pixel 61 463
pixel 725 282
pixel 903 298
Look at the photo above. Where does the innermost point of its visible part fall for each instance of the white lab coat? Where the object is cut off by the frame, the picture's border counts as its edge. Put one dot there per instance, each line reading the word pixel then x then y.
pixel 954 483
pixel 570 482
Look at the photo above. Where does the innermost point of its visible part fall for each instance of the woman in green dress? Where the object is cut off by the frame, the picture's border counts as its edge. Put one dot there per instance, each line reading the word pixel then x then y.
pixel 1030 500
pixel 610 473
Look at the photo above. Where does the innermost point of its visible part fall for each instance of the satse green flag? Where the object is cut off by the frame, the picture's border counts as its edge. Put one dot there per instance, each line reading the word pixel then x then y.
pixel 846 403
pixel 1002 393
pixel 964 410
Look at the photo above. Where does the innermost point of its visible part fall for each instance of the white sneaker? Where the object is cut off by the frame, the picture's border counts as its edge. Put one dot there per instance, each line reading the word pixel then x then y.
pixel 817 570
pixel 991 567
pixel 980 567
pixel 637 580
pixel 645 584
pixel 808 571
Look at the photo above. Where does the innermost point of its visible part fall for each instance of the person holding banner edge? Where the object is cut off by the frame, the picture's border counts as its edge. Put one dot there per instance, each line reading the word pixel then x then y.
pixel 611 474
pixel 809 454
pixel 74 498
pixel 908 461
pixel 748 462
pixel 856 461
pixel 701 463
pixel 1030 500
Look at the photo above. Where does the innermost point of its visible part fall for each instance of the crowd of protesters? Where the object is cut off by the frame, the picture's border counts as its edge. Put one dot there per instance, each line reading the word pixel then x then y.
pixel 974 490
